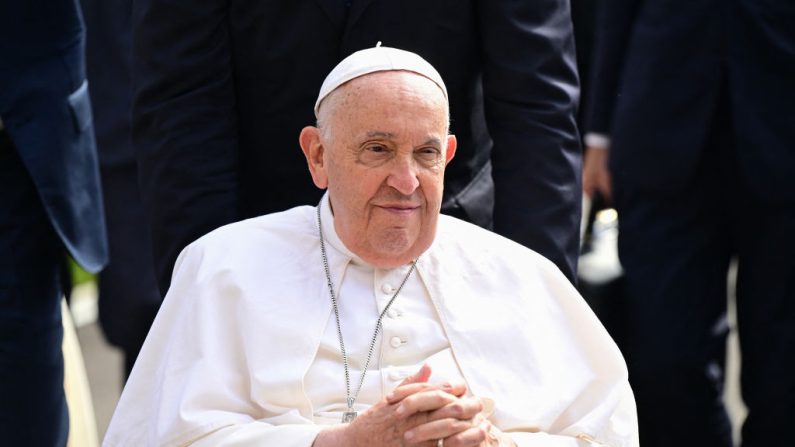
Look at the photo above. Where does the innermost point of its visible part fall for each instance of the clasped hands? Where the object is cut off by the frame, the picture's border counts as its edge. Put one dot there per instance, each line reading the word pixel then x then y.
pixel 418 413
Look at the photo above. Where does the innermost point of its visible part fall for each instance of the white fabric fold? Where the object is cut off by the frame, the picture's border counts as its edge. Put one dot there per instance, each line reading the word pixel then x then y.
pixel 226 359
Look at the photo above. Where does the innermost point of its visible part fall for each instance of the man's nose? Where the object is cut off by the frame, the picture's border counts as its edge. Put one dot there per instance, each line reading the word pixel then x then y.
pixel 403 176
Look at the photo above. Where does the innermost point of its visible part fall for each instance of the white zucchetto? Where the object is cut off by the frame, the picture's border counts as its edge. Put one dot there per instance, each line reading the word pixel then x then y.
pixel 375 59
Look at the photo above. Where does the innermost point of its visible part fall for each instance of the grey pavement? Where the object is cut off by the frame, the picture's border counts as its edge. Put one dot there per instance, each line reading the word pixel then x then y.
pixel 104 363
pixel 104 366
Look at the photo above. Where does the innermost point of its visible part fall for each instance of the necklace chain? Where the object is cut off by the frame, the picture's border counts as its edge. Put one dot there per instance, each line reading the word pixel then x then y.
pixel 350 399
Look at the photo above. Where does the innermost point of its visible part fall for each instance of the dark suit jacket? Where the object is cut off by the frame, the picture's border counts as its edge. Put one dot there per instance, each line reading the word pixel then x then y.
pixel 659 69
pixel 109 70
pixel 222 90
pixel 45 108
pixel 128 293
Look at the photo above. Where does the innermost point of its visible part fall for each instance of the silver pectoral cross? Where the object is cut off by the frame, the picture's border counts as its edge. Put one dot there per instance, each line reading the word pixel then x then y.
pixel 348 416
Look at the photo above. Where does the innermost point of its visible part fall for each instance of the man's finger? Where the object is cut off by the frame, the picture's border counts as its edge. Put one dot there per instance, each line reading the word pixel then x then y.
pixel 606 187
pixel 456 389
pixel 423 401
pixel 488 406
pixel 466 408
pixel 434 430
pixel 420 376
pixel 473 436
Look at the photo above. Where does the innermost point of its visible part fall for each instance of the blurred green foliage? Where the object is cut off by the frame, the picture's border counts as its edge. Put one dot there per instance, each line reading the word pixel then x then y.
pixel 79 276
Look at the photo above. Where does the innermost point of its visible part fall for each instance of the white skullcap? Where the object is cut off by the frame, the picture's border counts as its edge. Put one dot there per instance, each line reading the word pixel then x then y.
pixel 376 59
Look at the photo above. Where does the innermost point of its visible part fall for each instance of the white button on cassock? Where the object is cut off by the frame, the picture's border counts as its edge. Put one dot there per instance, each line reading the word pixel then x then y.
pixel 392 313
pixel 387 288
pixel 395 342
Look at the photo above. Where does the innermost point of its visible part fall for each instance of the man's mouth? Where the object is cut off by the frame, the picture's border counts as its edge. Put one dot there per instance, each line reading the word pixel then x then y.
pixel 399 208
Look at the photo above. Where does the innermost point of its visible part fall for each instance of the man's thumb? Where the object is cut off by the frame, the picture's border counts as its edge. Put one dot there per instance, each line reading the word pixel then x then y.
pixel 419 377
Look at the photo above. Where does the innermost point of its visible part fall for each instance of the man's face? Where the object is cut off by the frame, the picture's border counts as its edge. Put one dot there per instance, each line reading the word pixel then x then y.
pixel 382 155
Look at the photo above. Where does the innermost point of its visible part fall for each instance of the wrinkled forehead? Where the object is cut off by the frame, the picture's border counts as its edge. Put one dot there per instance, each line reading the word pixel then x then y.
pixel 390 86
pixel 386 101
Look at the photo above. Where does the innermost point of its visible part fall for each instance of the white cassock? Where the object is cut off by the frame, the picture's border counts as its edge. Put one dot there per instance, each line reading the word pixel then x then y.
pixel 245 352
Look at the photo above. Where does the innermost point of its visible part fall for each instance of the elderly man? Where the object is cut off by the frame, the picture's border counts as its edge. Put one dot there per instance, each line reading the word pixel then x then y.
pixel 371 320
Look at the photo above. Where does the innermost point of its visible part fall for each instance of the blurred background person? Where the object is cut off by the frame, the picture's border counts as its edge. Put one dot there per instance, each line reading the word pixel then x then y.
pixel 221 89
pixel 692 106
pixel 599 274
pixel 583 17
pixel 50 205
pixel 128 295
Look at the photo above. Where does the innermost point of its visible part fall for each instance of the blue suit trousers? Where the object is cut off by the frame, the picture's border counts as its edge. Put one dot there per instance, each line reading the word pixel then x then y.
pixel 33 408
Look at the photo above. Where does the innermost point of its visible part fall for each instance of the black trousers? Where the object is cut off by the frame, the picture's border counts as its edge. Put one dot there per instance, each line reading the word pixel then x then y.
pixel 32 403
pixel 128 295
pixel 675 247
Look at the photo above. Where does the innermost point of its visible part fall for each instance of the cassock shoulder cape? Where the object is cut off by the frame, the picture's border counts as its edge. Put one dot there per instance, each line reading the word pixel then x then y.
pixel 248 305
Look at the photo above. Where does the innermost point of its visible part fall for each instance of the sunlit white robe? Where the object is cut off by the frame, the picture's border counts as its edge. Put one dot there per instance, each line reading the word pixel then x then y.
pixel 226 359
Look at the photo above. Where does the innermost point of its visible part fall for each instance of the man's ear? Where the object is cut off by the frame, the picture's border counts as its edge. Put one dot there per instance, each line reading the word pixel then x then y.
pixel 314 152
pixel 452 144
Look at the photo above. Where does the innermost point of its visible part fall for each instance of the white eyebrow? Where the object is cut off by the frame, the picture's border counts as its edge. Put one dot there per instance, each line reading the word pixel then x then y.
pixel 379 134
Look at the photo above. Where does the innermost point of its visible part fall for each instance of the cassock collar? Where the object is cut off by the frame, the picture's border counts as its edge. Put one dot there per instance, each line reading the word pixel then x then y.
pixel 330 233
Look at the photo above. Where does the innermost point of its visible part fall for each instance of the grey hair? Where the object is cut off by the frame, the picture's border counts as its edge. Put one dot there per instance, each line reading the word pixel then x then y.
pixel 324 112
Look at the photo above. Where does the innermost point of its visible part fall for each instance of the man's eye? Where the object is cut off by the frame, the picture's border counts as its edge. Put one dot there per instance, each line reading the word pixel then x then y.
pixel 429 153
pixel 373 154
